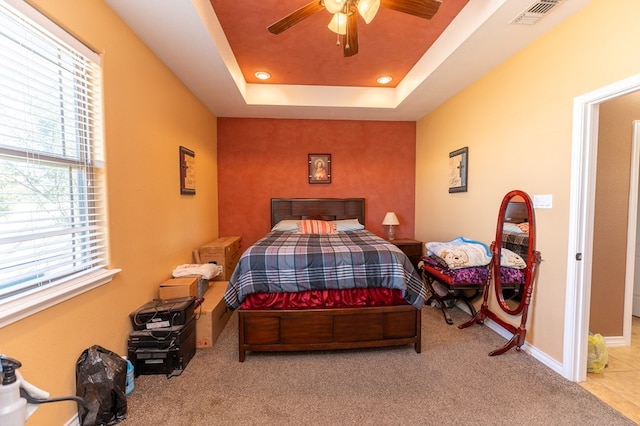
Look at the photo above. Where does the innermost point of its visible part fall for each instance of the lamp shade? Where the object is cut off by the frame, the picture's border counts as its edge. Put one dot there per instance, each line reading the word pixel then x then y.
pixel 338 23
pixel 390 219
pixel 334 6
pixel 368 9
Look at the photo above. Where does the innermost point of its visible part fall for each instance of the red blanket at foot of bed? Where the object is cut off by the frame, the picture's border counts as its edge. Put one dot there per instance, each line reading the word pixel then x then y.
pixel 345 298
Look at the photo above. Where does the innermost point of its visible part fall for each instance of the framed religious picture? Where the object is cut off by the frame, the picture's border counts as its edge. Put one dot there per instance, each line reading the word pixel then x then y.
pixel 187 171
pixel 458 170
pixel 319 168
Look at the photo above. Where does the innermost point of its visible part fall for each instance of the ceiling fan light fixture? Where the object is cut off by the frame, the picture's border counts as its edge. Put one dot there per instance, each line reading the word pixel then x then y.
pixel 338 23
pixel 385 79
pixel 334 6
pixel 368 9
pixel 262 75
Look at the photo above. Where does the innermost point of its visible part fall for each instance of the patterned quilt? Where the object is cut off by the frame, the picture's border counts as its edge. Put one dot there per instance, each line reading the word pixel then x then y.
pixel 292 262
pixel 517 243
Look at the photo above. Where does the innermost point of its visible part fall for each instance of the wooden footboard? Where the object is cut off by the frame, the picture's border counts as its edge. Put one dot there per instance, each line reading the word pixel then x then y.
pixel 326 329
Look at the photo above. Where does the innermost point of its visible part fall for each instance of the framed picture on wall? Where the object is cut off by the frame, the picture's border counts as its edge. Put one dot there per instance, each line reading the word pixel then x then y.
pixel 187 171
pixel 458 168
pixel 319 168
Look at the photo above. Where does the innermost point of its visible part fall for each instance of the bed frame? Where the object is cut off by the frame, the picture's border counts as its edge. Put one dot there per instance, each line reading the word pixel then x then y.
pixel 325 329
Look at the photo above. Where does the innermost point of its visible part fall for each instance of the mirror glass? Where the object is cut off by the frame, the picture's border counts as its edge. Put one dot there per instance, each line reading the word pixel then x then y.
pixel 514 252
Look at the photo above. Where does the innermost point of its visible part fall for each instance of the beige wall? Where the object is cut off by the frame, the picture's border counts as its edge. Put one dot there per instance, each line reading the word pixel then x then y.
pixel 615 133
pixel 517 122
pixel 148 115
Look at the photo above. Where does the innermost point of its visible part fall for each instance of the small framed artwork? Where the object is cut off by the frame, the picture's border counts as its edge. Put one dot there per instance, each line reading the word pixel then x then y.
pixel 319 168
pixel 458 170
pixel 187 171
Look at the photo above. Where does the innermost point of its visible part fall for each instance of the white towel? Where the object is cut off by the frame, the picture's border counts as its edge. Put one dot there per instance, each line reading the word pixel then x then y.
pixel 207 270
pixel 461 252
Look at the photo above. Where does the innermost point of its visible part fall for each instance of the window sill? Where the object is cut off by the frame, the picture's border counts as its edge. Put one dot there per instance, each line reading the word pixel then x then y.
pixel 30 304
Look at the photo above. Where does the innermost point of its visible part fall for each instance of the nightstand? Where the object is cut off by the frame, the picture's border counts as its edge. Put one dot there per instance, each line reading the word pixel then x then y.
pixel 412 248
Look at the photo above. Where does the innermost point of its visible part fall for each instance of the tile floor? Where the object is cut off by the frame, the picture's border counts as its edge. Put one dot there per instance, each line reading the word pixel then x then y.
pixel 619 384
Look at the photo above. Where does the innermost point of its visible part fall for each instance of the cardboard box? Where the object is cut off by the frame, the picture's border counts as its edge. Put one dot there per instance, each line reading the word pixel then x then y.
pixel 224 252
pixel 179 287
pixel 212 315
pixel 220 250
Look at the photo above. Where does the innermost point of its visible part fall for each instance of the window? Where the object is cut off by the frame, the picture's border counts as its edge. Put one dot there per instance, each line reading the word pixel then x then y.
pixel 52 201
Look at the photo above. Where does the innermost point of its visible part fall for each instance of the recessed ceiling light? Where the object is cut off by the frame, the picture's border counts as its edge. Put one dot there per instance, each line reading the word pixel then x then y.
pixel 262 75
pixel 384 79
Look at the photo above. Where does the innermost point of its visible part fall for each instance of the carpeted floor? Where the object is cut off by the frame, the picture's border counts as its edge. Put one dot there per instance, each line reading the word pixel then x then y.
pixel 452 381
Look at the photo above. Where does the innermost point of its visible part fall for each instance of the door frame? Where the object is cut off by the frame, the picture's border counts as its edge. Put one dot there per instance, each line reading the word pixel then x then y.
pixel 584 141
pixel 632 236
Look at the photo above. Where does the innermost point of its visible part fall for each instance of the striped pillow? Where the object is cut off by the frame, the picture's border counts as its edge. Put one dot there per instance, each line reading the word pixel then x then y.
pixel 316 227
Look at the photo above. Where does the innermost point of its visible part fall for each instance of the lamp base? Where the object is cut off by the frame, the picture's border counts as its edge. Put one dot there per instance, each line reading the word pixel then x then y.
pixel 391 234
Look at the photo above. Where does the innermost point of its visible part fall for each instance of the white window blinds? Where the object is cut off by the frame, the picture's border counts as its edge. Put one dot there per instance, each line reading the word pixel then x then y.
pixel 52 218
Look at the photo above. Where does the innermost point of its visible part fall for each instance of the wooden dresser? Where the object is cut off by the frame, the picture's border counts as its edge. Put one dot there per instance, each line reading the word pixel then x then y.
pixel 225 252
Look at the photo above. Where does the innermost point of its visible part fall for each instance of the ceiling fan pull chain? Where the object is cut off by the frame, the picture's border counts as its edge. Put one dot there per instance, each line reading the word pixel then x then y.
pixel 346 34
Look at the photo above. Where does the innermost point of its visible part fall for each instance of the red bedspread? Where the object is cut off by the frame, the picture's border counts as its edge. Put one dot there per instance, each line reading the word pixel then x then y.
pixel 330 298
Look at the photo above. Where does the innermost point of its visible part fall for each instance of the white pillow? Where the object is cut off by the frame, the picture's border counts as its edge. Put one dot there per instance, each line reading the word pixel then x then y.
pixel 348 225
pixel 290 225
pixel 512 227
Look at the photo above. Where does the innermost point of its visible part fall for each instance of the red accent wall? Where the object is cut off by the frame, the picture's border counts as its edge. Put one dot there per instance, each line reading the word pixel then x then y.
pixel 260 159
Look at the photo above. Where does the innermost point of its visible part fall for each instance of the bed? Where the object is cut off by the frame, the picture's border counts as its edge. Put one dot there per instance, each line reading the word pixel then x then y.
pixel 324 291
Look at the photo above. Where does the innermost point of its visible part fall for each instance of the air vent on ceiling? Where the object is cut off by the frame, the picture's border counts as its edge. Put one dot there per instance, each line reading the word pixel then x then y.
pixel 535 12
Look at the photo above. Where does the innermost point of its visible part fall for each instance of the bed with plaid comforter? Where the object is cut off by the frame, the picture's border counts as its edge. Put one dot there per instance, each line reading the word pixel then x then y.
pixel 292 262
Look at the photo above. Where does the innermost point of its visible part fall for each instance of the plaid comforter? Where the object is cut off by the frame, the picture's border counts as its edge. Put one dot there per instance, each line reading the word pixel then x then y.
pixel 292 262
pixel 517 243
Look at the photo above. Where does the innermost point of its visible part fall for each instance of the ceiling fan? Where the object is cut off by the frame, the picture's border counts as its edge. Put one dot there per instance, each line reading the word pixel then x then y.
pixel 345 16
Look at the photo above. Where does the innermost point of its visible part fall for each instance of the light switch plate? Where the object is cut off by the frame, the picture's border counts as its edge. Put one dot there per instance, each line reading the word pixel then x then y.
pixel 543 201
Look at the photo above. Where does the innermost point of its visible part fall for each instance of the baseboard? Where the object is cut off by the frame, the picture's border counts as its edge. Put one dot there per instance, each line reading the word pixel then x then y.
pixel 615 341
pixel 526 348
pixel 73 421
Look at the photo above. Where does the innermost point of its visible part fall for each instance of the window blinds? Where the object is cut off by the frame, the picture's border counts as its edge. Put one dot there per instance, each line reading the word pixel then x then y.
pixel 52 218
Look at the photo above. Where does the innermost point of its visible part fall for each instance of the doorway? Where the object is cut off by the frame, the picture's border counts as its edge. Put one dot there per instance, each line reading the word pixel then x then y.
pixel 634 258
pixel 581 215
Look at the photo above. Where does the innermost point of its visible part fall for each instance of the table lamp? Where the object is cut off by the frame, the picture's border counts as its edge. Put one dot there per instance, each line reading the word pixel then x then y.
pixel 391 220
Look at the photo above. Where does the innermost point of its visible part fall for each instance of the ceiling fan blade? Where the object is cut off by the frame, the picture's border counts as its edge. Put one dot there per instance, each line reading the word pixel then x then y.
pixel 350 39
pixel 420 8
pixel 295 17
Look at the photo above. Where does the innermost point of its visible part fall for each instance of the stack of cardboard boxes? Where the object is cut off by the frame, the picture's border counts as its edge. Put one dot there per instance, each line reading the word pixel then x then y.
pixel 212 315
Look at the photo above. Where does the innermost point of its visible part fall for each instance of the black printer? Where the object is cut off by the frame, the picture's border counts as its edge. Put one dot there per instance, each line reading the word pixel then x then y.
pixel 163 313
pixel 164 338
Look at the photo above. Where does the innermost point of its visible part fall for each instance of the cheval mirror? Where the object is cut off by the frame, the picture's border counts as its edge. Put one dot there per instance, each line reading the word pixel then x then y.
pixel 514 265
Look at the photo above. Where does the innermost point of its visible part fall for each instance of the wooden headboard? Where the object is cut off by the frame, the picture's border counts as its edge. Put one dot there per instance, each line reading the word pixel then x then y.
pixel 516 212
pixel 317 208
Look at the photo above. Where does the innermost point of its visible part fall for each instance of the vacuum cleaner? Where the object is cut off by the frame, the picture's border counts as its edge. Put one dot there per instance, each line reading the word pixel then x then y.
pixel 19 398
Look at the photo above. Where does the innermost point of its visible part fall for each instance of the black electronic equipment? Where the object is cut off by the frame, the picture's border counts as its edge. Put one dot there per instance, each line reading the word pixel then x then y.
pixel 163 313
pixel 163 350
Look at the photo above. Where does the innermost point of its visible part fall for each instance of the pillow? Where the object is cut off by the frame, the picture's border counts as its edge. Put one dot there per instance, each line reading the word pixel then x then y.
pixel 524 227
pixel 286 225
pixel 511 259
pixel 316 227
pixel 348 225
pixel 512 227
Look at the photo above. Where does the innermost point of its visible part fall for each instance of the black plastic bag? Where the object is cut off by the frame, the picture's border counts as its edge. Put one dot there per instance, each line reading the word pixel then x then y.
pixel 101 381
